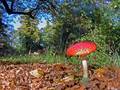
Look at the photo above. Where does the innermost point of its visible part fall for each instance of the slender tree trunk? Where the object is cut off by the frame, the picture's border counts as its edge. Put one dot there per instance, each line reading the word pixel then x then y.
pixel 29 51
pixel 63 40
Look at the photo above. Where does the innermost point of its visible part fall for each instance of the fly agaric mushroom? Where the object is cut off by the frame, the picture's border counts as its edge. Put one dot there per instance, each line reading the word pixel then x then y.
pixel 82 49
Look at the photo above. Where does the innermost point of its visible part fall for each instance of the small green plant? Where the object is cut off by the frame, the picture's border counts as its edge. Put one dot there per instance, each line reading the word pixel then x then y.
pixel 115 59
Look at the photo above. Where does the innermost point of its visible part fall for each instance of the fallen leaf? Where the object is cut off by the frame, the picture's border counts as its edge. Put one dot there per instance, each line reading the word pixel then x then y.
pixel 37 73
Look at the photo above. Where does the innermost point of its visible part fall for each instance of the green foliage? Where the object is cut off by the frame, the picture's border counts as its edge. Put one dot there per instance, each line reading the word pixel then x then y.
pixel 105 33
pixel 3 33
pixel 52 35
pixel 66 28
pixel 28 34
pixel 87 20
pixel 92 20
pixel 115 59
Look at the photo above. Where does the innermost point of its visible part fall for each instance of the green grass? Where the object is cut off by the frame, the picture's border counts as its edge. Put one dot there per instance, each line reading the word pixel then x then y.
pixel 21 59
pixel 43 58
pixel 115 59
pixel 101 60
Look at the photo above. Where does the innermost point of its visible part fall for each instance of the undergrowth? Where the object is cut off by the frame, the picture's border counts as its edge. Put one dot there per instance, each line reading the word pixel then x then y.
pixel 97 59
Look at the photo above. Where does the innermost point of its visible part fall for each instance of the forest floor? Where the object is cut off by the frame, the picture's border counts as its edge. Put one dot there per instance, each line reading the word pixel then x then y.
pixel 41 76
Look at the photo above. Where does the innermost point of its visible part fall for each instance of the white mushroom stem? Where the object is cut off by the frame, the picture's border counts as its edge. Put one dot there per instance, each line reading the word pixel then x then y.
pixel 85 69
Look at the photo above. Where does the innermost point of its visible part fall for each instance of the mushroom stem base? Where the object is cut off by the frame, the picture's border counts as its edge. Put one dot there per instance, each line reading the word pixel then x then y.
pixel 84 81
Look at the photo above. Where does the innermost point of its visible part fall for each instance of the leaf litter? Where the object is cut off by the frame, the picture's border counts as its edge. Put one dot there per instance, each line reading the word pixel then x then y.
pixel 56 77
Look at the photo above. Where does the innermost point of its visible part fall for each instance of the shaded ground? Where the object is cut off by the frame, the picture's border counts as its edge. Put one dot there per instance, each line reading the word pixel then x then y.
pixel 56 77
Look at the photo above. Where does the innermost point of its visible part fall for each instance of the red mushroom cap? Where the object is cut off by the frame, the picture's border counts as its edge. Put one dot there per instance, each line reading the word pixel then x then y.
pixel 81 49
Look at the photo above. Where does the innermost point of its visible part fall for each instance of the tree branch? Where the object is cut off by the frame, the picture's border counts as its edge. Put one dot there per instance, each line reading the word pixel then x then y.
pixel 24 13
pixel 12 4
pixel 10 10
pixel 51 7
pixel 6 6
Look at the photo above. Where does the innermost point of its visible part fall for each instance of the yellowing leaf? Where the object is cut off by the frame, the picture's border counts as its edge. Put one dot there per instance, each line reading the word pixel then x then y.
pixel 37 73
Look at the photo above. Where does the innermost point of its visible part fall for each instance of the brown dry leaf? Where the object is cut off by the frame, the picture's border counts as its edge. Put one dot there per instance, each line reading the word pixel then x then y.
pixel 37 73
pixel 52 88
pixel 100 71
pixel 56 77
pixel 75 87
pixel 82 87
pixel 66 79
